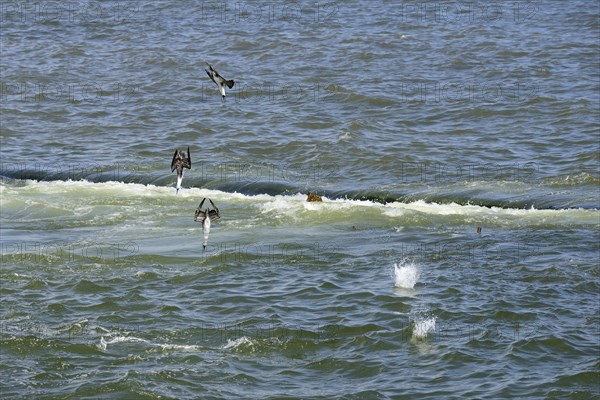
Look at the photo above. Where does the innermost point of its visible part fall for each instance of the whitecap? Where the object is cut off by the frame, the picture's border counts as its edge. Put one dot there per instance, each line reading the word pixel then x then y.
pixel 119 339
pixel 183 347
pixel 234 344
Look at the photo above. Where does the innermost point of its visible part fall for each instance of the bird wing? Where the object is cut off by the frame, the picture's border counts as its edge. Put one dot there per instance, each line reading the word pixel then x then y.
pixel 200 215
pixel 214 214
pixel 210 75
pixel 174 162
pixel 188 162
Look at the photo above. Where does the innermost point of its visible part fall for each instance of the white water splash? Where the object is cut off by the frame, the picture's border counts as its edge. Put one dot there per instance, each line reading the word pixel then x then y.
pixel 422 327
pixel 206 230
pixel 102 344
pixel 406 275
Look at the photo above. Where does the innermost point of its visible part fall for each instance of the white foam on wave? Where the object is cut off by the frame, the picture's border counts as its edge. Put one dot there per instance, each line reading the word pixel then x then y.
pixel 126 339
pixel 103 345
pixel 406 275
pixel 286 205
pixel 235 344
pixel 494 215
pixel 182 347
pixel 295 205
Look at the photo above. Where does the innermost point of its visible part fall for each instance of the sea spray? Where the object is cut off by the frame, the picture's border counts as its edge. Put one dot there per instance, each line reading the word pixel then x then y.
pixel 422 327
pixel 405 275
pixel 206 229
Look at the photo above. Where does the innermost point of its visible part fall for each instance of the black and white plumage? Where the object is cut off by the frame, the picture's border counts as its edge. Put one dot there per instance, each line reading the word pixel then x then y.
pixel 200 215
pixel 218 79
pixel 205 217
pixel 181 161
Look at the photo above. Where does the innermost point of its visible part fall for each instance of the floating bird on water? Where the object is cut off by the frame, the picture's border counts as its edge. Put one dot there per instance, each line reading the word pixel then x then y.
pixel 179 162
pixel 205 218
pixel 218 80
pixel 313 197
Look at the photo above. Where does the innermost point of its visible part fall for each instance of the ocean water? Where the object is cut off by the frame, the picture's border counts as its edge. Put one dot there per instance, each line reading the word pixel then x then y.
pixel 417 122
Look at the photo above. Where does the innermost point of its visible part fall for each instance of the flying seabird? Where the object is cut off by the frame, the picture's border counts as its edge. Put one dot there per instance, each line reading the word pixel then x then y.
pixel 218 80
pixel 205 218
pixel 179 162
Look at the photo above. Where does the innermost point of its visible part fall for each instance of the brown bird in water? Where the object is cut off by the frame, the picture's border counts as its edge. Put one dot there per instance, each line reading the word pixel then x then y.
pixel 479 230
pixel 313 197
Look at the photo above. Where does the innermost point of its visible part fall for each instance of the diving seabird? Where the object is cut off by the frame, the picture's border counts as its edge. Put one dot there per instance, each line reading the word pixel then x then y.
pixel 179 162
pixel 218 80
pixel 205 218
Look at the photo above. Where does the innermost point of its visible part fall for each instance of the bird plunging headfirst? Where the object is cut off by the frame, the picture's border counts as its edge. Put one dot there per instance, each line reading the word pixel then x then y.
pixel 181 161
pixel 205 217
pixel 218 79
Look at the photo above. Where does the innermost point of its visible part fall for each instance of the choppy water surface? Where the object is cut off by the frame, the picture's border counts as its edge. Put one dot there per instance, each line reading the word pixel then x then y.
pixel 416 121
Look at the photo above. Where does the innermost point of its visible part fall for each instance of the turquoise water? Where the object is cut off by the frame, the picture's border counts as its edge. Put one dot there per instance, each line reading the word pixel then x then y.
pixel 418 122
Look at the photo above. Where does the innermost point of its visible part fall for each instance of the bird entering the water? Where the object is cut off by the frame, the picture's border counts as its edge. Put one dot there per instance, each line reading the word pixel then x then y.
pixel 179 162
pixel 218 80
pixel 205 217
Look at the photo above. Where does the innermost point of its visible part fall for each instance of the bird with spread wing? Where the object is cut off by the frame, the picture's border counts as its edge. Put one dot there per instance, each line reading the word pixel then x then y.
pixel 205 217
